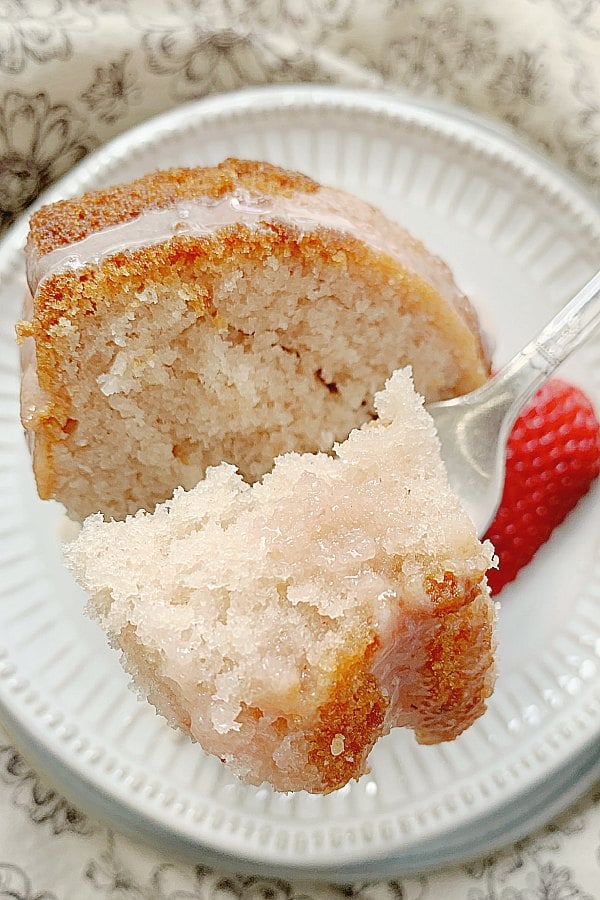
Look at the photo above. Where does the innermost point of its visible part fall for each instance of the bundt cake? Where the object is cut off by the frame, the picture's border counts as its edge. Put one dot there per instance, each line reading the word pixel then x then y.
pixel 226 314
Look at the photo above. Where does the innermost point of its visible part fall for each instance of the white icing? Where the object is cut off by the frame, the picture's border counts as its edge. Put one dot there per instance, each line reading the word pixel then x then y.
pixel 198 218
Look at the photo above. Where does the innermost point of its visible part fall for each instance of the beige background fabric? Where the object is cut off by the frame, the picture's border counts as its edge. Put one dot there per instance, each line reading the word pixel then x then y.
pixel 74 73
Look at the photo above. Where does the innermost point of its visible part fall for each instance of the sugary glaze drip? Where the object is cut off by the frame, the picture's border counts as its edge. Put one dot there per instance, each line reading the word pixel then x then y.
pixel 327 209
pixel 201 218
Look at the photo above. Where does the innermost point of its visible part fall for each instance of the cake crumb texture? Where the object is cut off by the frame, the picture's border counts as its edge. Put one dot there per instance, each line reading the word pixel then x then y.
pixel 287 625
pixel 143 370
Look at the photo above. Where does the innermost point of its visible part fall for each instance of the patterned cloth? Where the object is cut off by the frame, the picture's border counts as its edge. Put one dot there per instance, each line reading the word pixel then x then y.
pixel 73 73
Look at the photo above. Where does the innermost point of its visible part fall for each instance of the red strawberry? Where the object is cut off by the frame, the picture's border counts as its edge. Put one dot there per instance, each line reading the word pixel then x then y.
pixel 553 456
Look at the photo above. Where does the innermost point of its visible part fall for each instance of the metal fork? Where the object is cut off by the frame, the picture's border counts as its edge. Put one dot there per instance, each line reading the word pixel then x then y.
pixel 474 429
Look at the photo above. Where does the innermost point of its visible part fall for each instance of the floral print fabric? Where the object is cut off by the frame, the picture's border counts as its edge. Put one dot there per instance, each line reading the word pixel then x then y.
pixel 74 73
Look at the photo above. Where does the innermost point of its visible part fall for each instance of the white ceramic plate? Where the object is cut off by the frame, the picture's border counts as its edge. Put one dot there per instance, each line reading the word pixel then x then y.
pixel 521 239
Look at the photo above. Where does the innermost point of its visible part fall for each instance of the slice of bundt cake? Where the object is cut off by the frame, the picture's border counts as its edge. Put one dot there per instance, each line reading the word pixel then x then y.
pixel 232 313
pixel 287 625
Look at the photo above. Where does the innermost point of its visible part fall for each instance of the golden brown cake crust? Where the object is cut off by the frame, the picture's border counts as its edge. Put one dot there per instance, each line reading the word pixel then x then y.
pixel 67 221
pixel 68 301
pixel 349 723
pixel 459 666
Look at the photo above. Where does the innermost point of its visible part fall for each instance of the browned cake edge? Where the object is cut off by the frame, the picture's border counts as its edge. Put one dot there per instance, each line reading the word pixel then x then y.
pixel 91 290
pixel 67 221
pixel 441 696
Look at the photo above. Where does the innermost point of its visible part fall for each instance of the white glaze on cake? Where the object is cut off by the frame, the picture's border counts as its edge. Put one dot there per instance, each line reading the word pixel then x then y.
pixel 328 208
pixel 392 302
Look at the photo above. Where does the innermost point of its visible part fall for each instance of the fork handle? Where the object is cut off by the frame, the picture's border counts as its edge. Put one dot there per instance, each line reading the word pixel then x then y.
pixel 570 327
pixel 520 378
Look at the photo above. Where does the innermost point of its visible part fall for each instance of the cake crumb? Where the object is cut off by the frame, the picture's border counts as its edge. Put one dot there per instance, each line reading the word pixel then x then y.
pixel 268 620
pixel 337 745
